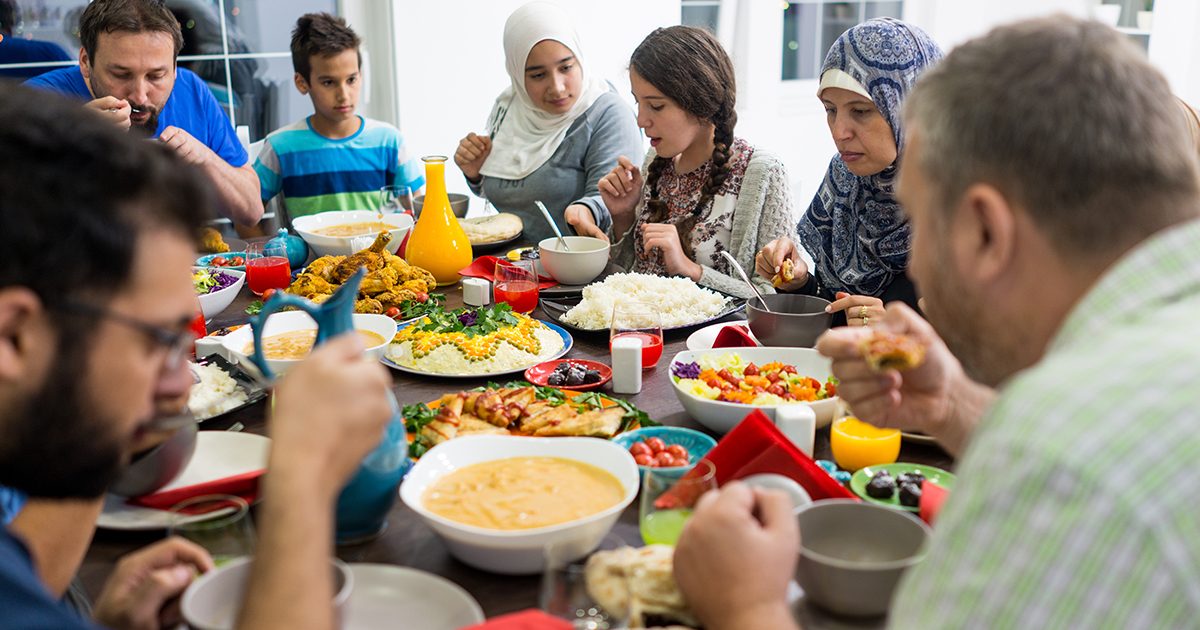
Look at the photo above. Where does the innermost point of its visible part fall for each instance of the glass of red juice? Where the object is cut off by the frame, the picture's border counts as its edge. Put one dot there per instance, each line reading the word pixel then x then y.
pixel 267 267
pixel 516 285
pixel 640 321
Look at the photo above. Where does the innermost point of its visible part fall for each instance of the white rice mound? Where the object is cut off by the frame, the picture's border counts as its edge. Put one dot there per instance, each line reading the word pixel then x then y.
pixel 448 359
pixel 216 393
pixel 679 301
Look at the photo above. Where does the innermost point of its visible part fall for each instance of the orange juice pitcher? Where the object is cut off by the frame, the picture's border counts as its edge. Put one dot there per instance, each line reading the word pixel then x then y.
pixel 438 243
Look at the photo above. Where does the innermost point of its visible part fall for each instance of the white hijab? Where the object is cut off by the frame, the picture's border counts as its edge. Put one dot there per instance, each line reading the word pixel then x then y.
pixel 524 136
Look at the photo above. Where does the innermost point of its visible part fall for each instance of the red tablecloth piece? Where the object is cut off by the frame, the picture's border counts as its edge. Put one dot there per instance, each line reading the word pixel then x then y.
pixel 530 619
pixel 734 336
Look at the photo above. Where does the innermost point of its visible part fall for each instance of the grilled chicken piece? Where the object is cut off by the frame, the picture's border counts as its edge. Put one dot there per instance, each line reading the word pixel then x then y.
pixel 371 258
pixel 602 423
pixel 553 416
pixel 470 425
pixel 324 267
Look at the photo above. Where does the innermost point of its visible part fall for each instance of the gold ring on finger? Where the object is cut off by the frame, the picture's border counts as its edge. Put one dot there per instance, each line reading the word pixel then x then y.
pixel 862 312
pixel 866 321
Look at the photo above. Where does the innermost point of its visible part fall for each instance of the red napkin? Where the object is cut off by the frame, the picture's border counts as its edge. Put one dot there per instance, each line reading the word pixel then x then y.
pixel 932 498
pixel 244 485
pixel 735 336
pixel 530 619
pixel 485 267
pixel 756 446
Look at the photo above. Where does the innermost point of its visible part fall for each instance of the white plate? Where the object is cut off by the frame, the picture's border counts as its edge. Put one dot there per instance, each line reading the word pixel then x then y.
pixel 219 454
pixel 704 338
pixel 567 339
pixel 385 594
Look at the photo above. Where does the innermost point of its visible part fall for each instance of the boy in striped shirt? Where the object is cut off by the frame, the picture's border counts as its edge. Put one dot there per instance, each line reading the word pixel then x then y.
pixel 334 159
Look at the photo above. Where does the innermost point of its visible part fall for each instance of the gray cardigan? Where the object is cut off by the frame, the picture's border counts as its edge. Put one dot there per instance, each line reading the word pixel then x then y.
pixel 607 130
pixel 762 213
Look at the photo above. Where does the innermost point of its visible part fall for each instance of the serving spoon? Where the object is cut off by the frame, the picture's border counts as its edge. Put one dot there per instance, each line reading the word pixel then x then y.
pixel 742 272
pixel 554 226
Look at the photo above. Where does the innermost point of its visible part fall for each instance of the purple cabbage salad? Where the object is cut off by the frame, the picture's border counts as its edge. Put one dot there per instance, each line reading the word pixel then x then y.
pixel 686 370
pixel 207 281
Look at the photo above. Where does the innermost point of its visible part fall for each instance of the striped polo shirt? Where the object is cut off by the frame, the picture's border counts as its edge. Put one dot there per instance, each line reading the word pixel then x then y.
pixel 318 174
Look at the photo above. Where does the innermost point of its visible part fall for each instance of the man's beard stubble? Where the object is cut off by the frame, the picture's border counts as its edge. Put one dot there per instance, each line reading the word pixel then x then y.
pixel 146 129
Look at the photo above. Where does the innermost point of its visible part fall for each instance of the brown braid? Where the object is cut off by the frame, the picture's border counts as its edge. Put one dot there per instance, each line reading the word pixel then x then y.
pixel 689 66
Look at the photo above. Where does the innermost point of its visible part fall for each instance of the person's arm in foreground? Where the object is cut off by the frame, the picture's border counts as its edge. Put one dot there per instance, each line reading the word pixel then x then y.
pixel 936 398
pixel 329 412
pixel 237 186
pixel 735 557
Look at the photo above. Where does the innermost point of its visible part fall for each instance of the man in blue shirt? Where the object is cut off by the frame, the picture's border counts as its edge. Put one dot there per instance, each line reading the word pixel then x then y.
pixel 127 73
pixel 21 50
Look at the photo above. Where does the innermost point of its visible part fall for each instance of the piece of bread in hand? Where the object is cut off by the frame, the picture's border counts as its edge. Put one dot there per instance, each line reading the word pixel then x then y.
pixel 886 351
pixel 787 273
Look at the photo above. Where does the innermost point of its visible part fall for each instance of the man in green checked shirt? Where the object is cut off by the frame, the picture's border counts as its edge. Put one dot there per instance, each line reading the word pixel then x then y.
pixel 1055 207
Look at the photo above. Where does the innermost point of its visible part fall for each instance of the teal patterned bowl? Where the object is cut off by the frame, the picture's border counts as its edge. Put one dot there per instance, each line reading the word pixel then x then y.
pixel 698 444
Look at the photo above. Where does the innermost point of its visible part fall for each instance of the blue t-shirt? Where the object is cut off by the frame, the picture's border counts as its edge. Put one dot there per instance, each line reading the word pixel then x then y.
pixel 191 107
pixel 319 174
pixel 11 502
pixel 25 604
pixel 20 50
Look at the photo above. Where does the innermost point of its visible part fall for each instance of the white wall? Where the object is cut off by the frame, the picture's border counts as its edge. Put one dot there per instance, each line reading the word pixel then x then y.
pixel 450 61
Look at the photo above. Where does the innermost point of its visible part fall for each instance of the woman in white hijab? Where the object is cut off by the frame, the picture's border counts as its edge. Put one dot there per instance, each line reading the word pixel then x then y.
pixel 554 132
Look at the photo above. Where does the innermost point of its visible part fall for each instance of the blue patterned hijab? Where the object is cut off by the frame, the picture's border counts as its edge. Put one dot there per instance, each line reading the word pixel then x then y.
pixel 854 228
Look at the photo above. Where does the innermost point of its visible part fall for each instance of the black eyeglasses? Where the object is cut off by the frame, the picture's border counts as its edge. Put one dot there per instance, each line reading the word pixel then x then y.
pixel 177 341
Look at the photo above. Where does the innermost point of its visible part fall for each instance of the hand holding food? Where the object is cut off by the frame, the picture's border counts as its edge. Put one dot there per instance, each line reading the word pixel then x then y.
pixel 736 556
pixel 780 263
pixel 886 351
pixel 472 152
pixel 621 189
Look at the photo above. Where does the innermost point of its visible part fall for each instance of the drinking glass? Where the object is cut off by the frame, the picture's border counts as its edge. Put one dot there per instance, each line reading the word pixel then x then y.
pixel 267 267
pixel 668 497
pixel 857 444
pixel 393 199
pixel 640 321
pixel 564 591
pixel 517 285
pixel 227 535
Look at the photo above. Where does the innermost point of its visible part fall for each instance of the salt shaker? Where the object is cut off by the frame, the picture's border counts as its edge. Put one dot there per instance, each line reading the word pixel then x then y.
pixel 798 423
pixel 627 365
pixel 476 291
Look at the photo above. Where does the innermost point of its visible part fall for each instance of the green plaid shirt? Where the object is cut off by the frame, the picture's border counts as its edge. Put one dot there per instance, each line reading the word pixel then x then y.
pixel 1078 502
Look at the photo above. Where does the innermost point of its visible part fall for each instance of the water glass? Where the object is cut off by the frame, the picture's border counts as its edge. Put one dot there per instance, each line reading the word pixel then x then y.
pixel 641 321
pixel 668 497
pixel 393 199
pixel 516 285
pixel 564 591
pixel 267 266
pixel 228 534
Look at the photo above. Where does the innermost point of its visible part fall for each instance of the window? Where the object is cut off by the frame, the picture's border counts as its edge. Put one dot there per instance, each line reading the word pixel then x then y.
pixel 240 48
pixel 702 13
pixel 811 26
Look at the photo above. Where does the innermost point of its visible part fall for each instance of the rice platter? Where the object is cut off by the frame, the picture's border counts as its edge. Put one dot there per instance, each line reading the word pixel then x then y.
pixel 467 341
pixel 216 393
pixel 679 301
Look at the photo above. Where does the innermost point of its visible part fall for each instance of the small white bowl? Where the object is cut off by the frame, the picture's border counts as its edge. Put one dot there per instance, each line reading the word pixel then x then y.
pixel 586 259
pixel 234 344
pixel 212 304
pixel 723 416
pixel 213 601
pixel 340 245
pixel 518 552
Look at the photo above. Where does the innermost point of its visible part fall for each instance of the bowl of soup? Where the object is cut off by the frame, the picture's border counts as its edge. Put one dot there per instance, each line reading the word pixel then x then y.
pixel 331 233
pixel 288 338
pixel 498 500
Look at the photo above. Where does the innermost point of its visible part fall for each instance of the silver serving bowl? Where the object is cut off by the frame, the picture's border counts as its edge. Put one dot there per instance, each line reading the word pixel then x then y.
pixel 458 203
pixel 795 321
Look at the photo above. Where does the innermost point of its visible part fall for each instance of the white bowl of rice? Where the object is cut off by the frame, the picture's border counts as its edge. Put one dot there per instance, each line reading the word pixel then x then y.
pixel 678 301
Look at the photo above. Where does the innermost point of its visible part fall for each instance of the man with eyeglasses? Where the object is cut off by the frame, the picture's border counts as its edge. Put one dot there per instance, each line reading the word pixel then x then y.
pixel 95 296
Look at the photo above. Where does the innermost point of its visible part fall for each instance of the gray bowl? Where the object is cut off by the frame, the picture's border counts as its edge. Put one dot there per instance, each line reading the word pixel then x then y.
pixel 852 554
pixel 157 467
pixel 458 204
pixel 796 322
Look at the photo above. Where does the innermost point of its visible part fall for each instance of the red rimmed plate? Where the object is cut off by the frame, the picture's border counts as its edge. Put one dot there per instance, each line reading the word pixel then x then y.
pixel 540 374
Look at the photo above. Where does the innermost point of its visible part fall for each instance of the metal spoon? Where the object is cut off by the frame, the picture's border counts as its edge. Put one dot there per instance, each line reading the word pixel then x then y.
pixel 734 263
pixel 554 226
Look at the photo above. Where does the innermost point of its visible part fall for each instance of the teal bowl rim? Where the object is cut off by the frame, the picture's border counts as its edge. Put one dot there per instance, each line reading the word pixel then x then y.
pixel 627 439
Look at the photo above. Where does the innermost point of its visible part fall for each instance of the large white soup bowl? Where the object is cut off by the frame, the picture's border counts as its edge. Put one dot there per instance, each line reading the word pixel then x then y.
pixel 322 245
pixel 518 552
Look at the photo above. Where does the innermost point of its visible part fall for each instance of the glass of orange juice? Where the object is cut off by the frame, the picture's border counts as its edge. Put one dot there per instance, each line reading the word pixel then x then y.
pixel 857 444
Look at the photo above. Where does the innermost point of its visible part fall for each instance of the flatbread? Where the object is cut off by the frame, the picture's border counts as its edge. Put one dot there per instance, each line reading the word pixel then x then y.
pixel 493 228
pixel 638 584
pixel 885 351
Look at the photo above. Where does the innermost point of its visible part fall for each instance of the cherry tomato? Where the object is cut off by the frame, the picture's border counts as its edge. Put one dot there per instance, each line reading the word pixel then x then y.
pixel 831 388
pixel 751 370
pixel 644 459
pixel 680 461
pixel 218 262
pixel 267 295
pixel 392 312
pixel 656 445
pixel 639 448
pixel 422 297
pixel 663 459
pixel 678 451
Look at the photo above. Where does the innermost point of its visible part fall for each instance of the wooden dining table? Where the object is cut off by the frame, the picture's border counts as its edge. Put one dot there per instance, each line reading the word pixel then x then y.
pixel 408 541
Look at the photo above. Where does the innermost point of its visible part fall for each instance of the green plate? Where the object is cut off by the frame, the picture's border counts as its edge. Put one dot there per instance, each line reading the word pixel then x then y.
pixel 858 482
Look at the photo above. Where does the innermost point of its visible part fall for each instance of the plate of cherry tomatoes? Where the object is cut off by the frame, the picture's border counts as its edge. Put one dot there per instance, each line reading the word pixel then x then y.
pixel 666 447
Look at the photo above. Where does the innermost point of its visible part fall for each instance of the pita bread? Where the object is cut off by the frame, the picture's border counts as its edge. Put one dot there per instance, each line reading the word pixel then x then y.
pixel 638 584
pixel 493 228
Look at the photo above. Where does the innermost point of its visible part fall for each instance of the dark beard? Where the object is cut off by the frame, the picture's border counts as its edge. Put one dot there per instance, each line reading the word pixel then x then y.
pixel 146 129
pixel 53 446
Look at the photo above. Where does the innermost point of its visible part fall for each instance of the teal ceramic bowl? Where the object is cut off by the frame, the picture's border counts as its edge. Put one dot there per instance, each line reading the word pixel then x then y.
pixel 206 260
pixel 698 444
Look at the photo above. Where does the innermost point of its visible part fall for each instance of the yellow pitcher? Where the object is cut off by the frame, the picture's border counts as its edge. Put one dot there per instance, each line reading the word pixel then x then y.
pixel 438 243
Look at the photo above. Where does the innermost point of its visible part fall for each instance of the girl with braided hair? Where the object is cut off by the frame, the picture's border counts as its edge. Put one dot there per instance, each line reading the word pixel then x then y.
pixel 705 191
pixel 855 230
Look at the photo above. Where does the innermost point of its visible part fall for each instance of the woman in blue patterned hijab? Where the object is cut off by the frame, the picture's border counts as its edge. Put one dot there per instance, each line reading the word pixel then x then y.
pixel 854 229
